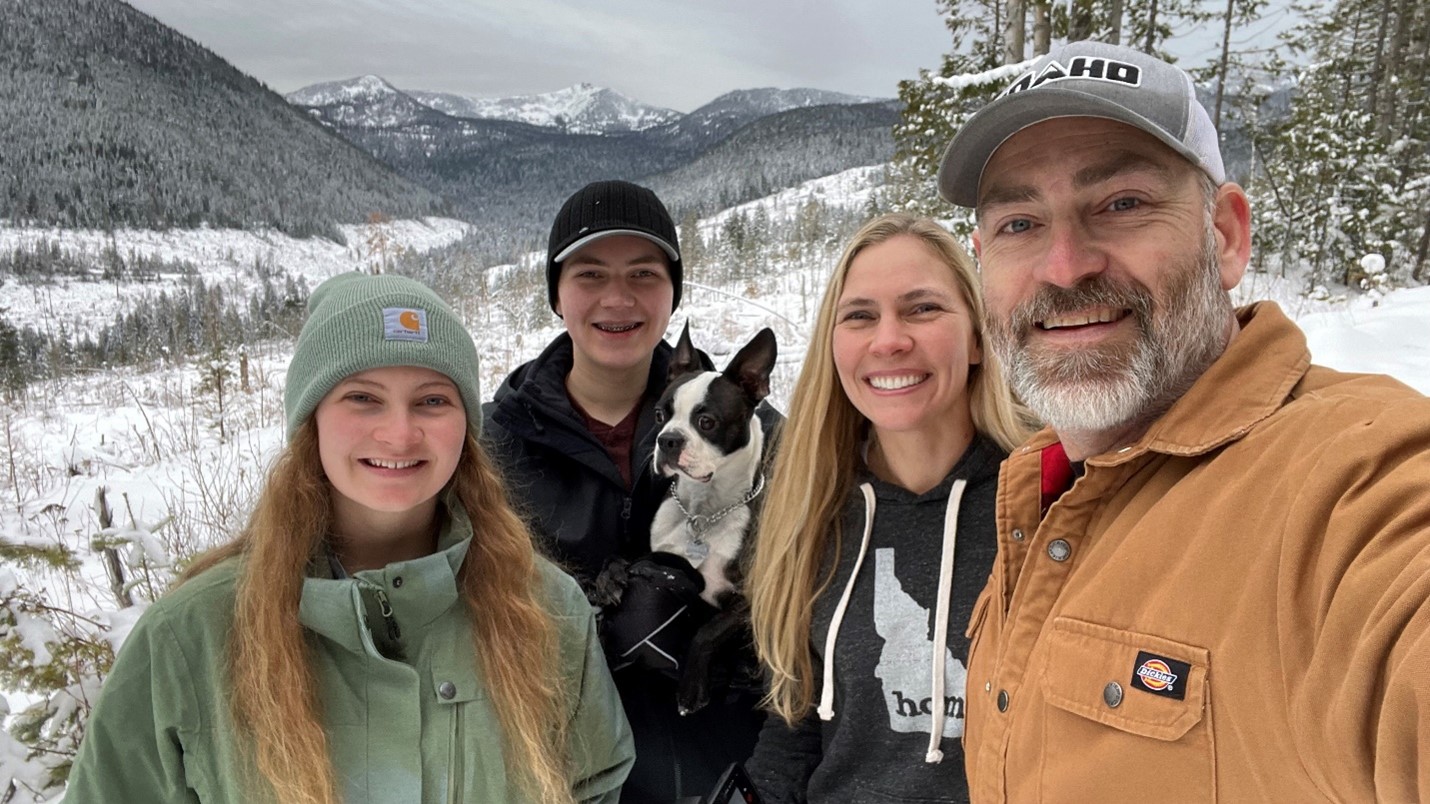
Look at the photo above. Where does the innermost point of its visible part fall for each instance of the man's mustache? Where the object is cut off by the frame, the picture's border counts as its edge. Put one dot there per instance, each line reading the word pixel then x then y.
pixel 1095 291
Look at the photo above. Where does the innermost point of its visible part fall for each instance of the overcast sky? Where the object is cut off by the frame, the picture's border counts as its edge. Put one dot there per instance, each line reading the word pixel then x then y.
pixel 674 53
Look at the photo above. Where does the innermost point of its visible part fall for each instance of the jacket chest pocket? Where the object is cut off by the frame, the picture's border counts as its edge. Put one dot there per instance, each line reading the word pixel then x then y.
pixel 1127 717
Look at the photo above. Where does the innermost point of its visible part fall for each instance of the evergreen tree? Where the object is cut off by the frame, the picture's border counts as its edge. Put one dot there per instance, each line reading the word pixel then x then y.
pixel 1345 175
pixel 935 104
pixel 692 245
pixel 987 51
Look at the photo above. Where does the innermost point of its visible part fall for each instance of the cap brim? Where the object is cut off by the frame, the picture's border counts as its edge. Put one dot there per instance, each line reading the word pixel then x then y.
pixel 582 242
pixel 961 169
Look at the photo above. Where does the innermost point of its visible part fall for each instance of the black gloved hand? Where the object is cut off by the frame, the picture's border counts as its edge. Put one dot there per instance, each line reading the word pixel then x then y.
pixel 659 610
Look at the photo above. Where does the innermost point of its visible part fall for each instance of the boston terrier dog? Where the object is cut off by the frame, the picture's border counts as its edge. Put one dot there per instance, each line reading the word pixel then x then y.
pixel 712 443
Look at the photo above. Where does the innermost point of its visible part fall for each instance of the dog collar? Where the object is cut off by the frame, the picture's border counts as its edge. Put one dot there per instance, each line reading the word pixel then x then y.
pixel 699 523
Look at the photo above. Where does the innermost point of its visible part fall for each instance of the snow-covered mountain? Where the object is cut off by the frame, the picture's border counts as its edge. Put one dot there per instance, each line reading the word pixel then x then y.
pixel 367 101
pixel 363 89
pixel 580 109
pixel 370 101
pixel 510 174
pixel 730 112
pixel 752 103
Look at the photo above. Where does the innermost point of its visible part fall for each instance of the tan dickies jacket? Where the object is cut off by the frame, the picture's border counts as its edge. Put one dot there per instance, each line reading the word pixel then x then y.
pixel 1235 608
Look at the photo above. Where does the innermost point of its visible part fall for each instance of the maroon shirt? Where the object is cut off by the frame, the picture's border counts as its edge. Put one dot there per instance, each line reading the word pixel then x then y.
pixel 618 439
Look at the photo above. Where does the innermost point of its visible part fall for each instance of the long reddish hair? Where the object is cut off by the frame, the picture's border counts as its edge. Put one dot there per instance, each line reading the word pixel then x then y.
pixel 275 699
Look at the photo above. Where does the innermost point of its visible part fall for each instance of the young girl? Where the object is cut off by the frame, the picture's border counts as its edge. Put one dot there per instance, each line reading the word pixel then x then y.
pixel 381 630
pixel 886 474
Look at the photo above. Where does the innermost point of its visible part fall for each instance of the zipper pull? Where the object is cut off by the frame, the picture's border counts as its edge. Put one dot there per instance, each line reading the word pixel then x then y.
pixel 385 607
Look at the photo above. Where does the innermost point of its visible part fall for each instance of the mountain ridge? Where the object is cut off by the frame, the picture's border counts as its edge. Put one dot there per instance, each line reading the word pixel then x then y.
pixel 582 108
pixel 111 118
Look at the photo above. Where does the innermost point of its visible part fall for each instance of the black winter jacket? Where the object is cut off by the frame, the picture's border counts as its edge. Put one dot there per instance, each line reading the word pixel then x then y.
pixel 568 488
pixel 561 477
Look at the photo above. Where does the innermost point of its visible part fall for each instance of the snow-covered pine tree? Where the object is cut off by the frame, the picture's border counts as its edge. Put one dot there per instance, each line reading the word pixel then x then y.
pixel 1347 174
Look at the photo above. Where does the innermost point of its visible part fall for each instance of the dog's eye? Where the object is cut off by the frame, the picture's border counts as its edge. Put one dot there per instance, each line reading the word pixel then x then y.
pixel 706 423
pixel 659 416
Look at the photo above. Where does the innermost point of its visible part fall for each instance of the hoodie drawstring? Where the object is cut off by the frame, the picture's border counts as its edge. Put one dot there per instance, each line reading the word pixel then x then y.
pixel 940 627
pixel 826 695
pixel 940 647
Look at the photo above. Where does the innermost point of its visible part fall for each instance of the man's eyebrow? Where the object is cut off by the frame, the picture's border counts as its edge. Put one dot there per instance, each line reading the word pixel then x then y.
pixel 1007 194
pixel 1118 164
pixel 1115 165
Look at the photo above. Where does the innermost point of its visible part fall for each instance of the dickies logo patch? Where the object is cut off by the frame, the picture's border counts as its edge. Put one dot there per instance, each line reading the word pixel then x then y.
pixel 1160 675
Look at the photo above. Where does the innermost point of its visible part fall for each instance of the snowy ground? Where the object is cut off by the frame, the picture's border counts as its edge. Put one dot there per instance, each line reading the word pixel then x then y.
pixel 1388 338
pixel 223 257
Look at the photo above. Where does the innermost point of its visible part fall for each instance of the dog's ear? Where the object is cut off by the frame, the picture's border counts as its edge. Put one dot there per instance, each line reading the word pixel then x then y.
pixel 686 359
pixel 750 368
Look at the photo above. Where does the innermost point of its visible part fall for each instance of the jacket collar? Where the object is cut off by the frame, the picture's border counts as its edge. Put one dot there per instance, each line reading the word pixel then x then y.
pixel 429 587
pixel 534 395
pixel 1246 385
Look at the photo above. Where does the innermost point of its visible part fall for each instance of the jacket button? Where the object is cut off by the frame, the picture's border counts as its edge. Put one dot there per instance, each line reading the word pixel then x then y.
pixel 1059 550
pixel 397 582
pixel 447 690
pixel 1017 534
pixel 1112 694
pixel 1002 700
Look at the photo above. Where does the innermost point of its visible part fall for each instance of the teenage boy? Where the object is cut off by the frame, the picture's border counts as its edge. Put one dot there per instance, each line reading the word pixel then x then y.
pixel 574 430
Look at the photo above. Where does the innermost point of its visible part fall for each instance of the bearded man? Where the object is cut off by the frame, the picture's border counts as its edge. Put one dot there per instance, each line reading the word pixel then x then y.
pixel 1214 564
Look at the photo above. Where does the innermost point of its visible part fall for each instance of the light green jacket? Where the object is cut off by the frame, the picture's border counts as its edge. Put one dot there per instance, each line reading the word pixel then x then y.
pixel 401 732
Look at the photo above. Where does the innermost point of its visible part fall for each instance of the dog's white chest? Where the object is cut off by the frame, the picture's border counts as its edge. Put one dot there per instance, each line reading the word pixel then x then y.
pixel 697 541
pixel 709 549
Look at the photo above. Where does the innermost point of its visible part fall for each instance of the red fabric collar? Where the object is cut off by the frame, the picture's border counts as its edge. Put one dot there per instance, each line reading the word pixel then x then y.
pixel 1057 473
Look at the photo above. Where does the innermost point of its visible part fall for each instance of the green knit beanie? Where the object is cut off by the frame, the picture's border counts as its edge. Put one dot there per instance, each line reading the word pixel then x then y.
pixel 358 322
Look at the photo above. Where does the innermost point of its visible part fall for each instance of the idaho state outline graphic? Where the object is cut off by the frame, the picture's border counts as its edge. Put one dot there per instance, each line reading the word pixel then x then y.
pixel 907 658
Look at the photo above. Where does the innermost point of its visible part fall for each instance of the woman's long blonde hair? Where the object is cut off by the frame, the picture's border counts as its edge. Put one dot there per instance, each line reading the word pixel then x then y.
pixel 275 698
pixel 815 467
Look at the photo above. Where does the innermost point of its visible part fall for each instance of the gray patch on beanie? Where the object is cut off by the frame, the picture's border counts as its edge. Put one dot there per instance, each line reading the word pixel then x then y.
pixel 358 322
pixel 605 208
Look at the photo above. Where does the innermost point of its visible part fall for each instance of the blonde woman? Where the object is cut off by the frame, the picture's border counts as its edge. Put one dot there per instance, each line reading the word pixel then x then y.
pixel 878 534
pixel 381 630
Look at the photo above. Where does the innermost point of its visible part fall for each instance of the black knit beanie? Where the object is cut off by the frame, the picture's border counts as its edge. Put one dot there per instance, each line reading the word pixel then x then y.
pixel 606 208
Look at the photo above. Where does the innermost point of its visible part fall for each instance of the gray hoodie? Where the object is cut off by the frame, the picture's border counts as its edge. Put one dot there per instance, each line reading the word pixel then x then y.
pixel 875 736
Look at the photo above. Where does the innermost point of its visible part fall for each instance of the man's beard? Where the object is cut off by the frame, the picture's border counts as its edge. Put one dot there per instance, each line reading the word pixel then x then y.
pixel 1096 389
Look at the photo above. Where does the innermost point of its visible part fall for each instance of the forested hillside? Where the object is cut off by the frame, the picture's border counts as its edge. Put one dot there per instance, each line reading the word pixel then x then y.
pixel 779 151
pixel 510 178
pixel 109 118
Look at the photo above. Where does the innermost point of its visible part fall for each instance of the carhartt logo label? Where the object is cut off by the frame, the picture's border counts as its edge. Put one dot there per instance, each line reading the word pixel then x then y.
pixel 1160 675
pixel 1085 67
pixel 404 324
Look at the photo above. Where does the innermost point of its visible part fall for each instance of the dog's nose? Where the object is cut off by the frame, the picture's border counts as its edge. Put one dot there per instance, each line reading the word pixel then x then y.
pixel 671 442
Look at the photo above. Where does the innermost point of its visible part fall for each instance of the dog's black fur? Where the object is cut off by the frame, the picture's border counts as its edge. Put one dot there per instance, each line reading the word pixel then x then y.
pixel 715 444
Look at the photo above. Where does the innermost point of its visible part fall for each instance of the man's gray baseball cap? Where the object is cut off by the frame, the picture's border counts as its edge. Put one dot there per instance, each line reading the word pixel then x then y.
pixel 1085 79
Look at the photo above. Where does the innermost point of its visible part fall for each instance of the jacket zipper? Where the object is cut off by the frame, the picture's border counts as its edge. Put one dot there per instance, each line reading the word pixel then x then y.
pixel 393 631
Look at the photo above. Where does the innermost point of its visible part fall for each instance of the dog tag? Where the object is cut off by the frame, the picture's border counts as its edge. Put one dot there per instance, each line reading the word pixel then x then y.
pixel 696 552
